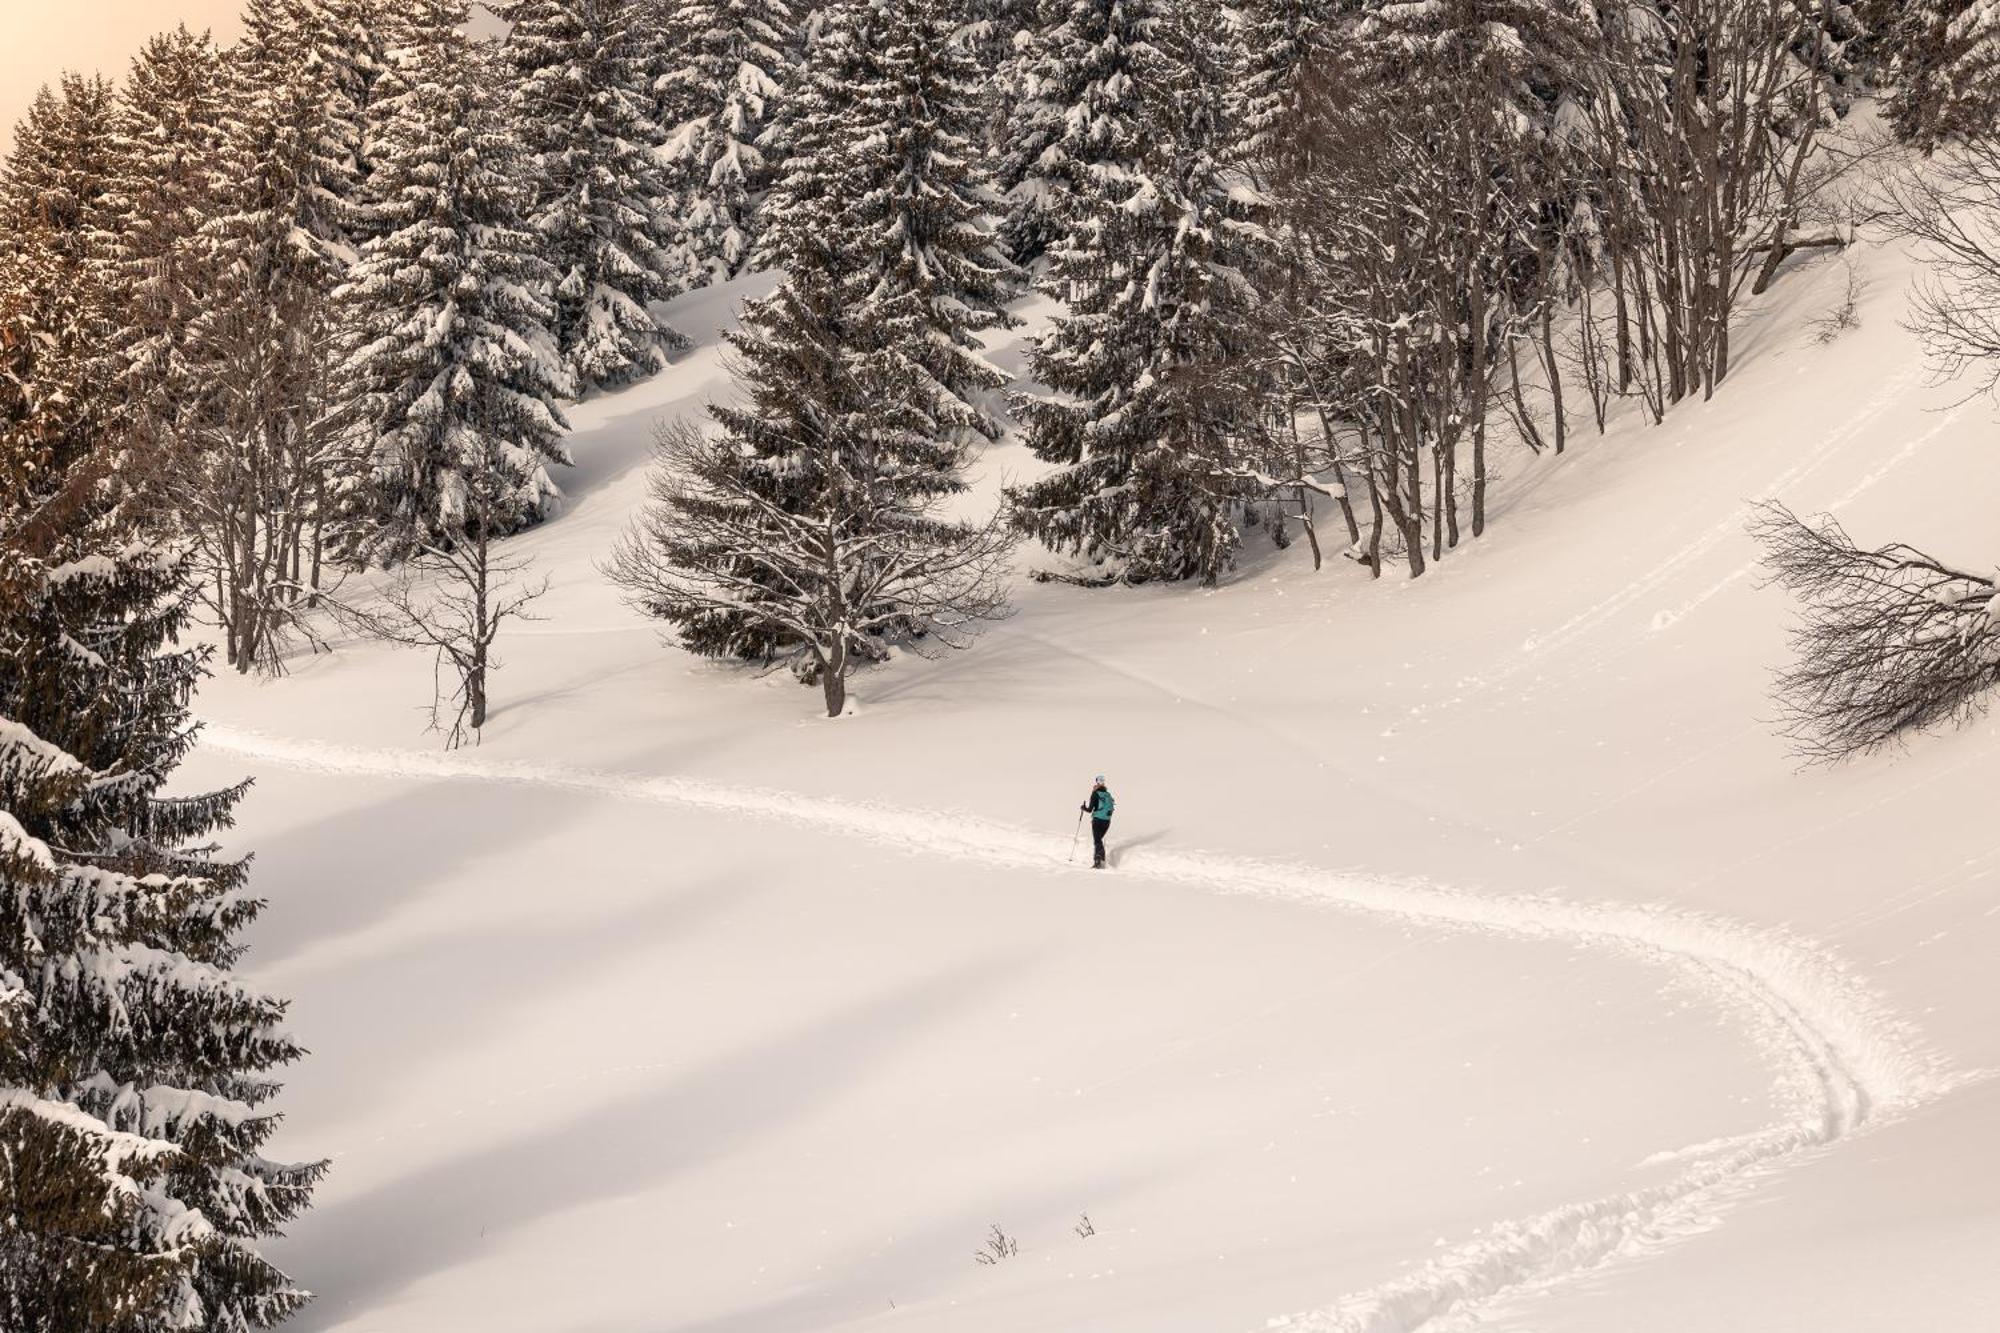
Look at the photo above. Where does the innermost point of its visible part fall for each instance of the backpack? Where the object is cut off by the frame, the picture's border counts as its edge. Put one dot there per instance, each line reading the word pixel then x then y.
pixel 1109 804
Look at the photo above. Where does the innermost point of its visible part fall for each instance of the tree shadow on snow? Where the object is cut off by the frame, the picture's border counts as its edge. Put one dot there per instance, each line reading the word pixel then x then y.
pixel 353 869
pixel 359 1250
pixel 458 989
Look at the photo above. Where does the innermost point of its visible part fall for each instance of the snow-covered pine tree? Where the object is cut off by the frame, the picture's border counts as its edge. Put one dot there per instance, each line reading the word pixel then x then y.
pixel 581 106
pixel 1149 485
pixel 1914 45
pixel 1514 57
pixel 792 533
pixel 445 313
pixel 61 166
pixel 810 527
pixel 888 187
pixel 135 1070
pixel 350 37
pixel 297 91
pixel 817 180
pixel 1944 65
pixel 990 28
pixel 54 228
pixel 997 32
pixel 1076 111
pixel 1280 40
pixel 166 185
pixel 52 326
pixel 732 61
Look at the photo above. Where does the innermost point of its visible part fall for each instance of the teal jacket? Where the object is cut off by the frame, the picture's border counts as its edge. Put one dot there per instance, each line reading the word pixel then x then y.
pixel 1100 803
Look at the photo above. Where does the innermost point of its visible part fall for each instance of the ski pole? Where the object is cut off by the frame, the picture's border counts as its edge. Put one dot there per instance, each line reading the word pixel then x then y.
pixel 1074 837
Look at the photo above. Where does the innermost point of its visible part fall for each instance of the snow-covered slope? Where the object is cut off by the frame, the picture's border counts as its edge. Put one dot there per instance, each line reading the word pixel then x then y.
pixel 1470 940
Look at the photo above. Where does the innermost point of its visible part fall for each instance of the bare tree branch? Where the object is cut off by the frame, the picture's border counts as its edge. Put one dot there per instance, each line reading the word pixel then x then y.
pixel 1890 641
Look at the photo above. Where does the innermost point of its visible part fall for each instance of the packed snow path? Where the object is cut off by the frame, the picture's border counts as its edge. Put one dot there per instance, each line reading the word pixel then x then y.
pixel 1842 1062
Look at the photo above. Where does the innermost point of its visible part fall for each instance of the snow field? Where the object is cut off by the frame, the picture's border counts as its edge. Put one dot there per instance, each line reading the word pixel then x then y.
pixel 1579 881
pixel 1844 1060
pixel 779 1080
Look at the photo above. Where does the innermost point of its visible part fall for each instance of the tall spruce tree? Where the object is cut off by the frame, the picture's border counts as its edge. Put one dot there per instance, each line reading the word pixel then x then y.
pixel 731 62
pixel 449 352
pixel 255 478
pixel 295 133
pixel 1944 66
pixel 888 186
pixel 998 33
pixel 55 229
pixel 810 528
pixel 61 167
pixel 794 533
pixel 136 1071
pixel 349 37
pixel 51 342
pixel 167 183
pixel 1076 112
pixel 1280 42
pixel 1149 485
pixel 581 105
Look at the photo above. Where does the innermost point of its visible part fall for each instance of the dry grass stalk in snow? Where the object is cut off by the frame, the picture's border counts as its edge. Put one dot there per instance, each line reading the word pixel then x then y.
pixel 999 1245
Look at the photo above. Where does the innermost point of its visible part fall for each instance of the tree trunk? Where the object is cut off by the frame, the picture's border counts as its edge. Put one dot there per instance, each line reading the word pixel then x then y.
pixel 1375 527
pixel 1368 458
pixel 1306 522
pixel 1438 492
pixel 1623 318
pixel 1591 350
pixel 1557 411
pixel 318 534
pixel 475 688
pixel 1482 384
pixel 1339 473
pixel 833 678
pixel 1528 432
pixel 482 629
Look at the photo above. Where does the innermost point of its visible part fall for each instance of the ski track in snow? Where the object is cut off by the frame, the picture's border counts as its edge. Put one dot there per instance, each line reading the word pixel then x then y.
pixel 1539 646
pixel 1844 1061
pixel 1911 448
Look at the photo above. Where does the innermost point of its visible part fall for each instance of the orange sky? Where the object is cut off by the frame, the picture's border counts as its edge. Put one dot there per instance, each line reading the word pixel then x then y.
pixel 41 38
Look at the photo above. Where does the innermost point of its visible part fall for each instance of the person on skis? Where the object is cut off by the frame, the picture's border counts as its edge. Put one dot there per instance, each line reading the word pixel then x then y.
pixel 1099 807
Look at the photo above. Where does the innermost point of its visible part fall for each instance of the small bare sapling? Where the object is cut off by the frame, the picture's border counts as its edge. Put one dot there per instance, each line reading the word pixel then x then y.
pixel 1845 316
pixel 454 600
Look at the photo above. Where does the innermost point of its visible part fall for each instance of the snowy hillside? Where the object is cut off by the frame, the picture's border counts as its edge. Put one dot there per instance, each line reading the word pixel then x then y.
pixel 1472 947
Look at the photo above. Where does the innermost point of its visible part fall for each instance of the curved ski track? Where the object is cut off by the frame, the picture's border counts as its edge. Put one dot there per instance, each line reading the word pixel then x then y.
pixel 1844 1061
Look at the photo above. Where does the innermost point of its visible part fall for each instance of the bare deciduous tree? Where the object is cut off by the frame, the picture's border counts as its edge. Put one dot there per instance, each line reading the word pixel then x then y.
pixel 1705 127
pixel 254 465
pixel 453 600
pixel 1950 205
pixel 1890 640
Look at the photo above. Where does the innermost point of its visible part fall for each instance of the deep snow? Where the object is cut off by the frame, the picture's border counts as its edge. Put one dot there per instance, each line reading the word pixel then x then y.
pixel 675 1007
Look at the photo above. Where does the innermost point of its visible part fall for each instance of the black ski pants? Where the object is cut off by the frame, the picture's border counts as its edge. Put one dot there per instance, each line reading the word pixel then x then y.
pixel 1098 828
